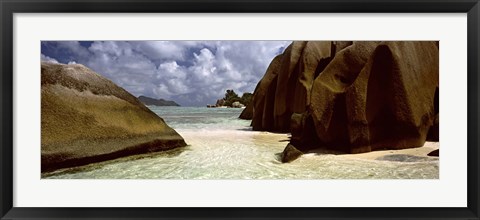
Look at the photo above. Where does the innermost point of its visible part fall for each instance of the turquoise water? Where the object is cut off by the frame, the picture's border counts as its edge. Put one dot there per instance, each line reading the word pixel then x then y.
pixel 221 146
pixel 202 118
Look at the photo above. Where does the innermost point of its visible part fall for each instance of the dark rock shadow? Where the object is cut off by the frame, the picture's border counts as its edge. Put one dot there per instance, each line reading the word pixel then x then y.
pixel 406 158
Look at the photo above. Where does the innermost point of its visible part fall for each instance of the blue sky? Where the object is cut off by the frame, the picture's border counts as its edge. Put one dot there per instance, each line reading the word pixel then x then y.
pixel 192 73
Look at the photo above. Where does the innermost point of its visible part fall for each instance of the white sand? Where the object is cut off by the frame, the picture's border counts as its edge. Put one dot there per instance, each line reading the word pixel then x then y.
pixel 420 151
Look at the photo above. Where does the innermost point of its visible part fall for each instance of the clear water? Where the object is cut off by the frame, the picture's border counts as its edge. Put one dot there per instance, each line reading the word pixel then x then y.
pixel 221 146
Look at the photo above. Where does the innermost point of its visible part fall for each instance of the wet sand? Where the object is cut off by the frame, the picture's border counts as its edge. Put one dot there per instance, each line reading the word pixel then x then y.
pixel 418 152
pixel 243 154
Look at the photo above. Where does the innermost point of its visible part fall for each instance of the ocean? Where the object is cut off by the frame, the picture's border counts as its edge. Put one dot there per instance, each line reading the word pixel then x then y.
pixel 221 146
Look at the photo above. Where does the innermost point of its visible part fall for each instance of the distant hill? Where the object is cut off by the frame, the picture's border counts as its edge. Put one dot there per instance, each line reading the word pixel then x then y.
pixel 158 102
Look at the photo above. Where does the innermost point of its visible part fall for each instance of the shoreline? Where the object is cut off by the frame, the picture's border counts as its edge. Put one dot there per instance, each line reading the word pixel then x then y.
pixel 280 141
pixel 213 151
pixel 373 155
pixel 419 151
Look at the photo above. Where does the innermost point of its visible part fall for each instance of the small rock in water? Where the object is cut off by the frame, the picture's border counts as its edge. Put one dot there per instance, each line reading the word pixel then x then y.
pixel 290 154
pixel 434 153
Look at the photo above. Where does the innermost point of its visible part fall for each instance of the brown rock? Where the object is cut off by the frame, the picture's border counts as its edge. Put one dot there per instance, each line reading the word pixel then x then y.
pixel 286 86
pixel 354 96
pixel 260 94
pixel 328 101
pixel 340 45
pixel 395 107
pixel 434 153
pixel 86 118
pixel 303 131
pixel 433 132
pixel 290 153
pixel 315 56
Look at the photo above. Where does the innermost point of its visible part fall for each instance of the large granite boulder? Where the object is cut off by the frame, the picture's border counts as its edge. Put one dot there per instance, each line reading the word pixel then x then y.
pixel 264 96
pixel 303 132
pixel 86 118
pixel 391 104
pixel 315 56
pixel 352 96
pixel 328 103
pixel 286 87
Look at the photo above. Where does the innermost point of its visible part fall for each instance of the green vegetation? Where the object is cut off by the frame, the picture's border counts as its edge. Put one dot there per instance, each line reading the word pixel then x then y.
pixel 231 97
pixel 246 98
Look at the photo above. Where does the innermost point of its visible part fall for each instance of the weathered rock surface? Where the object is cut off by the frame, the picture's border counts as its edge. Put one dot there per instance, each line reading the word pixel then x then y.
pixel 290 153
pixel 351 96
pixel 86 118
pixel 263 99
pixel 286 87
pixel 315 56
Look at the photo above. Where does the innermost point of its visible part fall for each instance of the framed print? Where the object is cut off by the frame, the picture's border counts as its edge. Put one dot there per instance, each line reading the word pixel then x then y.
pixel 257 110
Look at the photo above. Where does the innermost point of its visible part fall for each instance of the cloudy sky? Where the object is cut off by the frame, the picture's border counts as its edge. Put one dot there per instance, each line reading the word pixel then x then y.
pixel 192 73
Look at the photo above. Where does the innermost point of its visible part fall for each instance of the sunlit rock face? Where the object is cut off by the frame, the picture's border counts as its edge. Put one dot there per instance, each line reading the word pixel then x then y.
pixel 87 118
pixel 351 96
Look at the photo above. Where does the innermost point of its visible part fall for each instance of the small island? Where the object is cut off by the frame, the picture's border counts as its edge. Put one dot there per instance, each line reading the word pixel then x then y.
pixel 232 100
pixel 156 102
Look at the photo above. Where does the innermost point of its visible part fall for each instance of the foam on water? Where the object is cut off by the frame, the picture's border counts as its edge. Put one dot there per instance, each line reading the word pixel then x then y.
pixel 221 146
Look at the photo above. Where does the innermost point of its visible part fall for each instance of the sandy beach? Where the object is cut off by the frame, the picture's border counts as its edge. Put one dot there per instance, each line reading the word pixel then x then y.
pixel 220 146
pixel 419 152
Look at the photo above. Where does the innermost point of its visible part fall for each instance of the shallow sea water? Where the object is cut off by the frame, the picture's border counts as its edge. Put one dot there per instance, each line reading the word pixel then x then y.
pixel 221 146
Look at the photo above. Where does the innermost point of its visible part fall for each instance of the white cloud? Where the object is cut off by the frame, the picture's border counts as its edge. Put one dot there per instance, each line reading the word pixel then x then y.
pixel 157 50
pixel 189 72
pixel 47 59
pixel 171 70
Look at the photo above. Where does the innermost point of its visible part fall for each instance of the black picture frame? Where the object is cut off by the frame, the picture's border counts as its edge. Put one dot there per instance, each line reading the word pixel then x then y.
pixel 9 7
